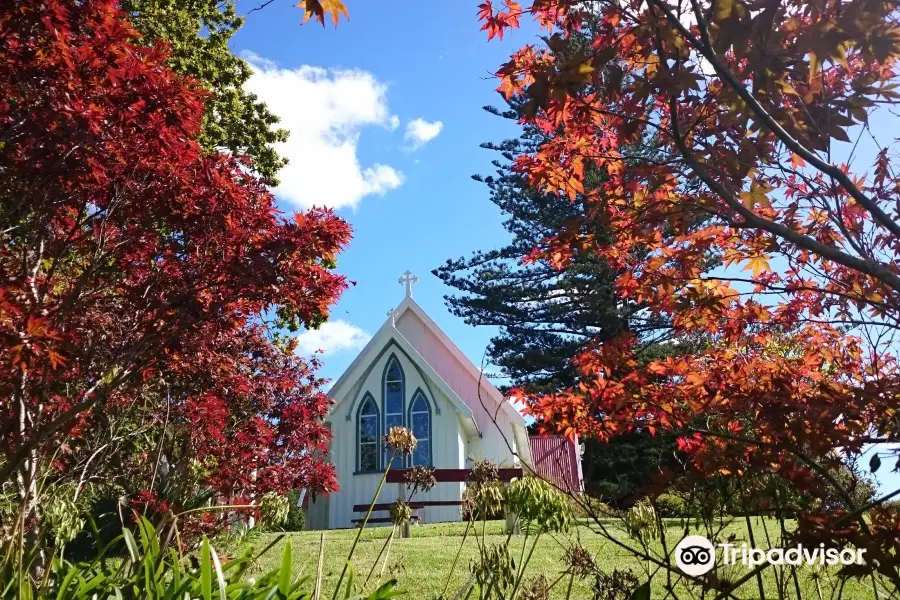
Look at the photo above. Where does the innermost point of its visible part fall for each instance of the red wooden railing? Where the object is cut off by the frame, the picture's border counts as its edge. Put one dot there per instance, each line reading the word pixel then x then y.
pixel 452 475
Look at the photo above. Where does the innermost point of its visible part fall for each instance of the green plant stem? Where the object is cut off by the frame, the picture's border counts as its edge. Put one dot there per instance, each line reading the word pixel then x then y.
pixel 525 564
pixel 362 526
pixel 569 589
pixel 759 581
pixel 270 546
pixel 524 545
pixel 819 590
pixel 380 552
pixel 21 549
pixel 456 558
pixel 317 588
pixel 178 539
pixel 387 554
pixel 487 594
pixel 509 534
pixel 558 579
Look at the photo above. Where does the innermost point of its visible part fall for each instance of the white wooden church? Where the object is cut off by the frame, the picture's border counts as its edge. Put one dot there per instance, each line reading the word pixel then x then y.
pixel 412 374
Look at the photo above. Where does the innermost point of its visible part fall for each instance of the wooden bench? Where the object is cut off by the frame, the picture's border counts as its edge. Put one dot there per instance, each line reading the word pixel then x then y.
pixel 398 476
pixel 383 506
pixel 387 506
pixel 414 505
pixel 379 519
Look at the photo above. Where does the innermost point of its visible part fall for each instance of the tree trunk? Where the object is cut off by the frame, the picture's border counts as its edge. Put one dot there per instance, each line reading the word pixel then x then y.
pixel 27 475
pixel 27 483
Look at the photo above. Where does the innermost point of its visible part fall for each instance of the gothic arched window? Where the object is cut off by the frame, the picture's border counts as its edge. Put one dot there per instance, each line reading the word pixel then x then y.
pixel 367 432
pixel 420 423
pixel 394 385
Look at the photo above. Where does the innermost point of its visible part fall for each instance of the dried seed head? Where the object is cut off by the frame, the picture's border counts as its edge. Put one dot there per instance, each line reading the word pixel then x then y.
pixel 420 479
pixel 485 491
pixel 400 512
pixel 537 589
pixel 401 440
pixel 468 508
pixel 486 500
pixel 483 472
pixel 579 561
pixel 618 585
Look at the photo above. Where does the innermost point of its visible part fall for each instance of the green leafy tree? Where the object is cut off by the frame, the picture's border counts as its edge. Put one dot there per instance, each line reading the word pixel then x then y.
pixel 198 32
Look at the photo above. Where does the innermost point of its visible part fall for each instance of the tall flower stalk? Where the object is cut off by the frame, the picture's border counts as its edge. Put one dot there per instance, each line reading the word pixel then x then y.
pixel 402 442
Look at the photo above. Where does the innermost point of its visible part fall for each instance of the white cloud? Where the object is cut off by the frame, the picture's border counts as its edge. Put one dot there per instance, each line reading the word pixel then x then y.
pixel 419 132
pixel 394 122
pixel 332 337
pixel 325 112
pixel 256 60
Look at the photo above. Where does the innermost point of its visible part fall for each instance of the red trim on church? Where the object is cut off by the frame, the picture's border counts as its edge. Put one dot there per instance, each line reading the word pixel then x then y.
pixel 452 475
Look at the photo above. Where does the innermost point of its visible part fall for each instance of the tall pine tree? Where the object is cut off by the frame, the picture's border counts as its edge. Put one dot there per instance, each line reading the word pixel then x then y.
pixel 546 316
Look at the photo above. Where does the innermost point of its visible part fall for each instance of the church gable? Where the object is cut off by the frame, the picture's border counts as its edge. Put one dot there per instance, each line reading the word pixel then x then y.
pixel 393 393
pixel 463 376
pixel 470 417
pixel 368 372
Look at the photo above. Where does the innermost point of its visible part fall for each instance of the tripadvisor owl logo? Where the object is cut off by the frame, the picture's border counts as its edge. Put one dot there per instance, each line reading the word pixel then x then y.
pixel 695 555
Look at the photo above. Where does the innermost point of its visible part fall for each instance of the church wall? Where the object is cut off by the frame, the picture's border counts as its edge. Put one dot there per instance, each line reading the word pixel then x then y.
pixel 491 445
pixel 358 488
pixel 317 509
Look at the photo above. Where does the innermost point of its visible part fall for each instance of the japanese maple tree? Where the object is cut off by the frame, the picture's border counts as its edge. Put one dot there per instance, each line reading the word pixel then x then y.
pixel 748 102
pixel 240 416
pixel 133 261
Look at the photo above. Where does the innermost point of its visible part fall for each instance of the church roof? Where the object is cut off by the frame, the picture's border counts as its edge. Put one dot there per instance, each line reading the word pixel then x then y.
pixel 387 336
pixel 390 334
pixel 410 305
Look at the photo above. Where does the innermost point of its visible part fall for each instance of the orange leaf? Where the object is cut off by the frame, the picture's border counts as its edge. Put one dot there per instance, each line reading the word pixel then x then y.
pixel 34 325
pixel 695 379
pixel 319 8
pixel 56 359
pixel 757 264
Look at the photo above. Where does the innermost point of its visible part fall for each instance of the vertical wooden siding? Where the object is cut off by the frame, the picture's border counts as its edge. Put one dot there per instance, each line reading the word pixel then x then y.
pixel 558 459
pixel 358 488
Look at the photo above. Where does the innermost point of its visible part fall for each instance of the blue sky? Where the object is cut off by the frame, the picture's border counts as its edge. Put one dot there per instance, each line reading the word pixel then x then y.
pixel 372 92
pixel 386 121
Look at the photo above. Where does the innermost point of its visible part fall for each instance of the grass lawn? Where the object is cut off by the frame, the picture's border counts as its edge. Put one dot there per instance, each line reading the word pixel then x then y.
pixel 421 564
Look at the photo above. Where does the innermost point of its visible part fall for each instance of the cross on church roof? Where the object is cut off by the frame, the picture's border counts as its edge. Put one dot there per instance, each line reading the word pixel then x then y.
pixel 393 315
pixel 409 279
